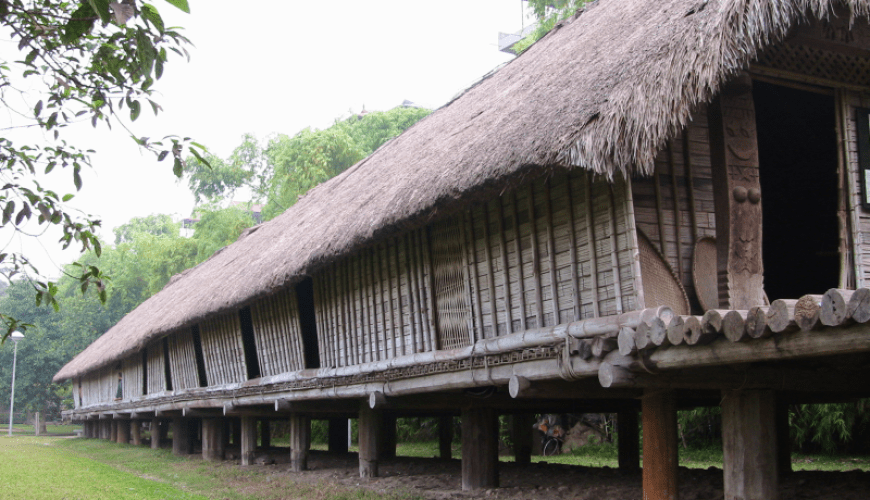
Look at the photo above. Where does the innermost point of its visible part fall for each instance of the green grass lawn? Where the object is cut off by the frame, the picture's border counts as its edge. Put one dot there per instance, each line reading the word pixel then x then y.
pixel 36 468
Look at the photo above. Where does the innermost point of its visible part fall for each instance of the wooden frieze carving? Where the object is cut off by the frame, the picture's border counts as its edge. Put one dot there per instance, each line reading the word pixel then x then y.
pixel 737 196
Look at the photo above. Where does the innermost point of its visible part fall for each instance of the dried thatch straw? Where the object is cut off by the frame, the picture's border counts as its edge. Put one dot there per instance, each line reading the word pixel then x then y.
pixel 602 93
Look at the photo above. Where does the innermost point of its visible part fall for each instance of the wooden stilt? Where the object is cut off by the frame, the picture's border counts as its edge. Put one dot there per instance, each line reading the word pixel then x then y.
pixel 387 448
pixel 247 439
pixel 659 446
pixel 156 433
pixel 182 440
pixel 445 437
pixel 783 438
pixel 136 432
pixel 628 441
pixel 213 444
pixel 369 429
pixel 123 434
pixel 300 442
pixel 265 434
pixel 521 434
pixel 337 435
pixel 749 445
pixel 113 430
pixel 479 449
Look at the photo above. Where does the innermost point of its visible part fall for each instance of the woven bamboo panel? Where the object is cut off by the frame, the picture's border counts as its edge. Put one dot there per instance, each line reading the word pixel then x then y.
pixel 156 368
pixel 817 62
pixel 131 369
pixel 375 305
pixel 182 360
pixel 91 393
pixel 450 288
pixel 222 350
pixel 278 334
pixel 674 207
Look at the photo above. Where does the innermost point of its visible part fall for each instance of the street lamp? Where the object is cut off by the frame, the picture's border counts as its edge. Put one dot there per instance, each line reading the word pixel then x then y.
pixel 15 336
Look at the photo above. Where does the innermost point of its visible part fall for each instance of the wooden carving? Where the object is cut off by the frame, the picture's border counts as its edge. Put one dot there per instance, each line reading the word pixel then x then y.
pixel 737 195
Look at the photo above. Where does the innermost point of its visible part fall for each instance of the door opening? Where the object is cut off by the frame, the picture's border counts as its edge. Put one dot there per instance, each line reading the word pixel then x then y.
pixel 797 147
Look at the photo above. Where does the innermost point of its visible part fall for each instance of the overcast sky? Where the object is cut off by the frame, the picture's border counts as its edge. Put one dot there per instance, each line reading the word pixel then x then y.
pixel 269 67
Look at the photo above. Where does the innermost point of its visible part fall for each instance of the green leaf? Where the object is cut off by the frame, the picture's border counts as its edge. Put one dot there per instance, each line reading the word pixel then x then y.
pixel 37 109
pixel 180 4
pixel 149 12
pixel 101 7
pixel 31 56
pixel 68 197
pixel 80 22
pixel 77 178
pixel 8 210
pixel 178 167
pixel 162 155
pixel 135 109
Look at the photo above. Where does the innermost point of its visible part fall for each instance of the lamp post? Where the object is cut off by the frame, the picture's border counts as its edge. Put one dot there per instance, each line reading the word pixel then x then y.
pixel 16 336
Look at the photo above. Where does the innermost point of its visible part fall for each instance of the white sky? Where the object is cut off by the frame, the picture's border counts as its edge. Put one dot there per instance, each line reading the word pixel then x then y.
pixel 276 67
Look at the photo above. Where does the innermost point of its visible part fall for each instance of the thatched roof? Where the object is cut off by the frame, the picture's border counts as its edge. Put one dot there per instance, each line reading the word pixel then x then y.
pixel 602 92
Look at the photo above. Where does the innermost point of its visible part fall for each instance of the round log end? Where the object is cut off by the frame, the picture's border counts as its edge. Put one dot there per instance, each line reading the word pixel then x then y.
pixel 834 308
pixel 625 341
pixel 859 305
pixel 517 385
pixel 676 330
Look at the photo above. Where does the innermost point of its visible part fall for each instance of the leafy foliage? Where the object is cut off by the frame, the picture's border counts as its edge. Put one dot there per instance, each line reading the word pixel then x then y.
pixel 87 61
pixel 219 179
pixel 549 13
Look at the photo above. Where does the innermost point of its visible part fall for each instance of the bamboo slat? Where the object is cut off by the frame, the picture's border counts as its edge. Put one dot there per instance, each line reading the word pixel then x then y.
pixel 222 350
pixel 182 360
pixel 156 370
pixel 278 334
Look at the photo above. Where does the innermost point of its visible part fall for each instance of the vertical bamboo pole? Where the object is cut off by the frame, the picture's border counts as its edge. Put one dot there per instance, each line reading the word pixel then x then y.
pixel 572 238
pixel 593 247
pixel 677 215
pixel 519 250
pixel 413 307
pixel 490 278
pixel 536 259
pixel 505 269
pixel 472 247
pixel 614 248
pixel 690 182
pixel 551 253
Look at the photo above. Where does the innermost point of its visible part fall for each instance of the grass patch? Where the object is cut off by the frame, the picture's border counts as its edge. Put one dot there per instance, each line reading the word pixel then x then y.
pixel 36 468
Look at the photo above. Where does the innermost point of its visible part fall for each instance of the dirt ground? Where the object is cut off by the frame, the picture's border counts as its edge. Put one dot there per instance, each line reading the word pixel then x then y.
pixel 436 479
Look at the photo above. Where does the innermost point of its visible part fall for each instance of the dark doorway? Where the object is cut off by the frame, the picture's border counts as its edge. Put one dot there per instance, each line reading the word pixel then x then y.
pixel 798 157
pixel 308 323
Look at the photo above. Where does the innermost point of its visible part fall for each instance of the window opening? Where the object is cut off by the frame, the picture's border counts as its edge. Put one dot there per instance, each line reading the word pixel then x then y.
pixel 249 343
pixel 308 322
pixel 200 358
pixel 166 369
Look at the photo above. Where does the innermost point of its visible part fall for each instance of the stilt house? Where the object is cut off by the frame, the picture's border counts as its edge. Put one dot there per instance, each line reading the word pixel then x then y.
pixel 660 202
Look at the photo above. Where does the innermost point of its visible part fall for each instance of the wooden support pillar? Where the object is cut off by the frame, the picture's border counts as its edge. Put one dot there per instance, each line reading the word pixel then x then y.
pixel 247 439
pixel 736 195
pixel 300 442
pixel 479 449
pixel 660 459
pixel 783 438
pixel 338 435
pixel 387 448
pixel 370 427
pixel 265 433
pixel 123 431
pixel 107 430
pixel 628 441
pixel 113 430
pixel 213 444
pixel 157 433
pixel 521 435
pixel 136 432
pixel 749 445
pixel 445 437
pixel 182 438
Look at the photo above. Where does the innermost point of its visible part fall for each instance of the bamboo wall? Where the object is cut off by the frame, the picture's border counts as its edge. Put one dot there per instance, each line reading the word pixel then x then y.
pixel 131 377
pixel 156 373
pixel 99 386
pixel 278 334
pixel 674 206
pixel 525 256
pixel 182 360
pixel 857 216
pixel 222 349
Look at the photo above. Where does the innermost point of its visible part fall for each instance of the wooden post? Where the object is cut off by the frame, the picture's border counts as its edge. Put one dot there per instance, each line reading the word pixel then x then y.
pixel 783 438
pixel 736 195
pixel 300 442
pixel 479 449
pixel 113 430
pixel 182 441
pixel 213 445
pixel 156 433
pixel 659 446
pixel 387 447
pixel 445 437
pixel 265 434
pixel 36 424
pixel 370 427
pixel 338 435
pixel 123 435
pixel 521 435
pixel 628 441
pixel 248 439
pixel 136 432
pixel 749 445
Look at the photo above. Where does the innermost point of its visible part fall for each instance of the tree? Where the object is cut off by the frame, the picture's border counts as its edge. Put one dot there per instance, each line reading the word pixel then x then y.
pixel 156 224
pixel 549 13
pixel 218 227
pixel 88 61
pixel 220 179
